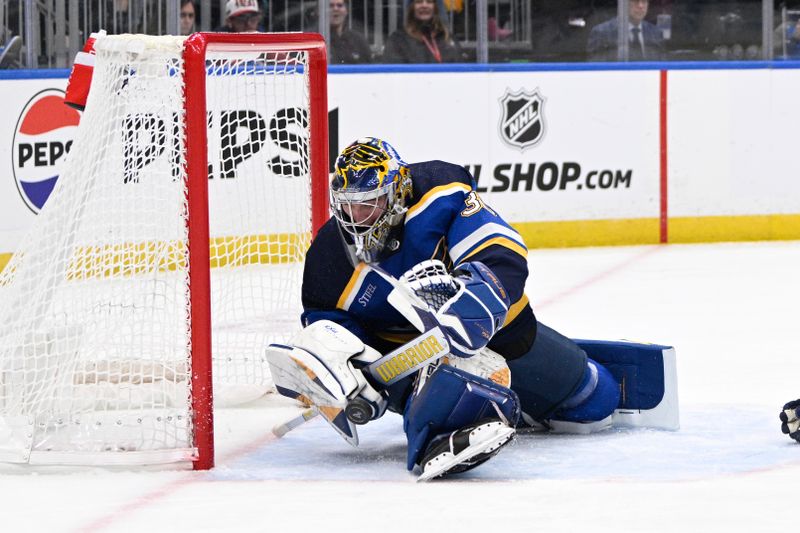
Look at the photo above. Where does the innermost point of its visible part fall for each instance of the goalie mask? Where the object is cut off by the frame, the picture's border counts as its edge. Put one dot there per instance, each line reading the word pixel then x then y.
pixel 368 196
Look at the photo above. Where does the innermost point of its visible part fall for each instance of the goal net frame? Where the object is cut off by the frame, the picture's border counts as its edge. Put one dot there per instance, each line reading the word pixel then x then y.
pixel 109 301
pixel 195 127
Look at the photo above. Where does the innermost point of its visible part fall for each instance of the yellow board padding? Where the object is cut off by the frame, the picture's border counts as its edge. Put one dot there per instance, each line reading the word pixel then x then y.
pixel 261 249
pixel 127 259
pixel 575 233
pixel 734 228
pixel 136 258
pixel 621 232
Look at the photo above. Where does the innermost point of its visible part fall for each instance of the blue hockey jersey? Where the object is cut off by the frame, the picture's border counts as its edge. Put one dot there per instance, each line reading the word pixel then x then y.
pixel 446 220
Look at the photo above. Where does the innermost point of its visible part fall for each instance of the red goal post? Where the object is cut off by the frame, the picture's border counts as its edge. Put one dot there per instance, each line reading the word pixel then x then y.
pixel 194 56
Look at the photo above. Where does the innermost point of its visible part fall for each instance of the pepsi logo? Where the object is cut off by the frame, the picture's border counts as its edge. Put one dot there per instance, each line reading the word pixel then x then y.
pixel 42 139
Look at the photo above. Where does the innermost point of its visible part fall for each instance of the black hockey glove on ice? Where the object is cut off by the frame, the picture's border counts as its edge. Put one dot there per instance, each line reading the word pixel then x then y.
pixel 790 419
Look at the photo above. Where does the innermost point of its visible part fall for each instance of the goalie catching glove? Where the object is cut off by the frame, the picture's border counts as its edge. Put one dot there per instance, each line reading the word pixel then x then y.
pixel 470 305
pixel 790 420
pixel 321 368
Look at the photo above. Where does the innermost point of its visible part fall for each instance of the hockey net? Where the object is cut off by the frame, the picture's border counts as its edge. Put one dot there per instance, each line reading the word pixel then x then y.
pixel 106 304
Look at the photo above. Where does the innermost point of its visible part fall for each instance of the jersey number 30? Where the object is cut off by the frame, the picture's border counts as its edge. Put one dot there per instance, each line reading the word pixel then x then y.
pixel 474 204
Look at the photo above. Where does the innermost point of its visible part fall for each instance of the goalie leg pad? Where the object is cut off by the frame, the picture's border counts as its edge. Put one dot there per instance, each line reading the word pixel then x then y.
pixel 486 364
pixel 647 376
pixel 451 400
pixel 595 399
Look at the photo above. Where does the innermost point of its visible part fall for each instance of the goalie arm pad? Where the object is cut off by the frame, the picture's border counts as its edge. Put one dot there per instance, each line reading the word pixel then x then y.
pixel 476 312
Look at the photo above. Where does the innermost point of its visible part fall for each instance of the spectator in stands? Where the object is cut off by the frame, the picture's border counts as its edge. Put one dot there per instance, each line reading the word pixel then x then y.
pixel 121 19
pixel 734 30
pixel 424 39
pixel 10 53
pixel 242 16
pixel 645 40
pixel 496 31
pixel 787 40
pixel 347 45
pixel 560 29
pixel 187 17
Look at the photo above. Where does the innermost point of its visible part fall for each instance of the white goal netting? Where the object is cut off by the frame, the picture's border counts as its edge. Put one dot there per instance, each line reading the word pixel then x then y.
pixel 95 332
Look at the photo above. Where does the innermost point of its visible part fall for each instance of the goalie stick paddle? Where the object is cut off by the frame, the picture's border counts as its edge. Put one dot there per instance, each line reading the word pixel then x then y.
pixel 416 356
pixel 410 357
pixel 279 430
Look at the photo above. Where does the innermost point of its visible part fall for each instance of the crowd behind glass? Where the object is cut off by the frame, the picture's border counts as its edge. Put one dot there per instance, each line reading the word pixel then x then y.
pixel 37 33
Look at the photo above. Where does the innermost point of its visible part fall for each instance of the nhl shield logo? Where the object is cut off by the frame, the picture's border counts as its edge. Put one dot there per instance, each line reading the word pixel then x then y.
pixel 522 121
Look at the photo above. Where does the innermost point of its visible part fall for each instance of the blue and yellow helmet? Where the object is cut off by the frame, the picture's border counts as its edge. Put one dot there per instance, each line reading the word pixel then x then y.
pixel 368 194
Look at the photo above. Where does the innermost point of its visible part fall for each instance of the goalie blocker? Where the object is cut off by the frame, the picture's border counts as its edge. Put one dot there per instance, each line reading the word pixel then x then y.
pixel 319 368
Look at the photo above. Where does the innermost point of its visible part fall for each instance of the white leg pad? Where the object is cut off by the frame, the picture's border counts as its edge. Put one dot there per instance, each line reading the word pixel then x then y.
pixel 580 428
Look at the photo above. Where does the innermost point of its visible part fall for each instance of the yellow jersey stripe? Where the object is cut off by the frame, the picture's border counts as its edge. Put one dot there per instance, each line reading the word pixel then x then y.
pixel 432 195
pixel 350 290
pixel 500 241
pixel 515 309
pixel 489 230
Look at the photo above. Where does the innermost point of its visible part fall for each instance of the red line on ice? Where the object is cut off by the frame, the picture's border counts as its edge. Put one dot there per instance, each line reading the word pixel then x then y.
pixel 170 488
pixel 597 277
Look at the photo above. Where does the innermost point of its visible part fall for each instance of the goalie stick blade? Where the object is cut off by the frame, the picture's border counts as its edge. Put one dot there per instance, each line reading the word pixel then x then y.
pixel 279 430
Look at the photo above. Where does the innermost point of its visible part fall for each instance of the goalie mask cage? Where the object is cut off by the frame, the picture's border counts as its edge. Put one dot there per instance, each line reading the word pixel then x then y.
pixel 186 204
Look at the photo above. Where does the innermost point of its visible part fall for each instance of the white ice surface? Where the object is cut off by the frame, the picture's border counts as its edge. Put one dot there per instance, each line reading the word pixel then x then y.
pixel 730 310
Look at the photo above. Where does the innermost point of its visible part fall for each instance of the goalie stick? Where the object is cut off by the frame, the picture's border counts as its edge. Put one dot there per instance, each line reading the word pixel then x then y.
pixel 279 430
pixel 423 350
